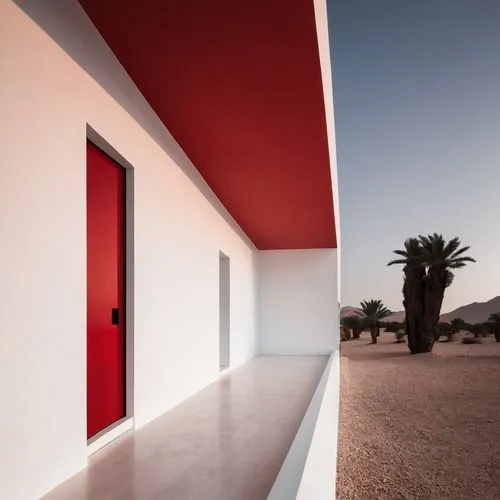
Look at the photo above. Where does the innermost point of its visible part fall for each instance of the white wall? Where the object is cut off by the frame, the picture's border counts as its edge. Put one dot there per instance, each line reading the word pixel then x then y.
pixel 320 470
pixel 309 469
pixel 298 310
pixel 46 101
pixel 321 17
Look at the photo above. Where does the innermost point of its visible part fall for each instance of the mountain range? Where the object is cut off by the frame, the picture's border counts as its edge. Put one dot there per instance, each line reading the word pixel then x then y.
pixel 476 312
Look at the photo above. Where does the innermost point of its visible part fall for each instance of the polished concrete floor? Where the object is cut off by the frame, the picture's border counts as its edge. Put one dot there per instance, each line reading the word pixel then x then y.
pixel 225 443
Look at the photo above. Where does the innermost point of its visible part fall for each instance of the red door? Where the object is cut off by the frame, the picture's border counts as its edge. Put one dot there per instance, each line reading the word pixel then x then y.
pixel 105 290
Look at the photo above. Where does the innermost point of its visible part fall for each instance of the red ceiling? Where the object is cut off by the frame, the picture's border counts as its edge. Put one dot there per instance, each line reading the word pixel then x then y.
pixel 238 84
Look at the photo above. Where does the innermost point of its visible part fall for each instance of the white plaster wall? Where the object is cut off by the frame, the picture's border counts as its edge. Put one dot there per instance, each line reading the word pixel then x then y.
pixel 309 469
pixel 319 475
pixel 46 100
pixel 298 310
pixel 321 16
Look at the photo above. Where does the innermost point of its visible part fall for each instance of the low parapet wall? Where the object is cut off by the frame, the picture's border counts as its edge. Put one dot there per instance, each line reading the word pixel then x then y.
pixel 309 469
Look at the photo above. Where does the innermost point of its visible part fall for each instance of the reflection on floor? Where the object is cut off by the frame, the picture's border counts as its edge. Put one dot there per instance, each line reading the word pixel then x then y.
pixel 225 443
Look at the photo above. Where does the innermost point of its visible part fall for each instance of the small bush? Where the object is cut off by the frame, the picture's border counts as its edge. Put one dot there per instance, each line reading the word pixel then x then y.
pixel 345 334
pixel 400 337
pixel 471 340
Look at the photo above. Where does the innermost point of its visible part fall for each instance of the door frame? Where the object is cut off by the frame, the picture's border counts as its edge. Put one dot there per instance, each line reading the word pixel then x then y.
pixel 126 423
pixel 224 312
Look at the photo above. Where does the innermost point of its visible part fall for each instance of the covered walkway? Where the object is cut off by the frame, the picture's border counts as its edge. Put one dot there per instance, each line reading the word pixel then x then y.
pixel 227 442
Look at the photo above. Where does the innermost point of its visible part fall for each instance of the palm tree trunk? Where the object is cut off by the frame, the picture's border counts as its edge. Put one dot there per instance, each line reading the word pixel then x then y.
pixel 435 285
pixel 414 300
pixel 373 333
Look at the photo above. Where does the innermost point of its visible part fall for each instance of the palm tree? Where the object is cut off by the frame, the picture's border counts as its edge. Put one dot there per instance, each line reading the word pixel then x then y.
pixel 354 324
pixel 494 319
pixel 373 312
pixel 427 262
pixel 439 258
pixel 413 293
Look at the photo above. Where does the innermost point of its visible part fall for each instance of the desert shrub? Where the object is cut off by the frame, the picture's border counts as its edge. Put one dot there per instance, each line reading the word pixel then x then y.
pixel 477 329
pixel 345 334
pixel 354 324
pixel 400 336
pixel 397 329
pixel 471 340
pixel 445 329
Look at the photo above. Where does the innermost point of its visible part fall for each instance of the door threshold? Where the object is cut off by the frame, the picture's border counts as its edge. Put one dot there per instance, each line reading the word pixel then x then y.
pixel 115 430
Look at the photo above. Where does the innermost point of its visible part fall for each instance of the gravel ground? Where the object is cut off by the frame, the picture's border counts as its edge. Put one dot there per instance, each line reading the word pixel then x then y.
pixel 419 427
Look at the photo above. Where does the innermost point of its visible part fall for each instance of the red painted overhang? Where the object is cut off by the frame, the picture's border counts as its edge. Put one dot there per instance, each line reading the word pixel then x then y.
pixel 238 84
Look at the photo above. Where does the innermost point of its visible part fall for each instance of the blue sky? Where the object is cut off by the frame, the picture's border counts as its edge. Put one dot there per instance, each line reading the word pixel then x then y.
pixel 417 112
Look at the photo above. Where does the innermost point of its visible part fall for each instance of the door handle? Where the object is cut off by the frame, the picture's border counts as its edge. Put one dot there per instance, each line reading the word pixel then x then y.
pixel 115 316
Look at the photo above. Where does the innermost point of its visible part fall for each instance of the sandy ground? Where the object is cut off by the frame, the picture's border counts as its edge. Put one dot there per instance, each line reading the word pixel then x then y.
pixel 419 427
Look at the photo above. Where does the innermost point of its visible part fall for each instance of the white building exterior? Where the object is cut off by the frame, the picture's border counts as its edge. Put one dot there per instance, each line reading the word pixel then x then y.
pixel 60 86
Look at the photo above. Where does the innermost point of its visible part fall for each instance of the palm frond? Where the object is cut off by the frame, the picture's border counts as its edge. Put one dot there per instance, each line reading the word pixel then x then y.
pixel 399 261
pixel 426 243
pixel 460 252
pixel 437 251
pixel 463 259
pixel 374 310
pixel 412 254
pixel 451 247
pixel 403 253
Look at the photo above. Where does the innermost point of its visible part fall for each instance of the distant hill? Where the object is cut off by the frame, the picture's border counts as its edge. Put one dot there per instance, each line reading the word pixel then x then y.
pixel 477 312
pixel 349 311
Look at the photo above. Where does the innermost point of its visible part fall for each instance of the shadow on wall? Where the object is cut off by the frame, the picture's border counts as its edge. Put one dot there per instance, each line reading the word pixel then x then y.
pixel 61 20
